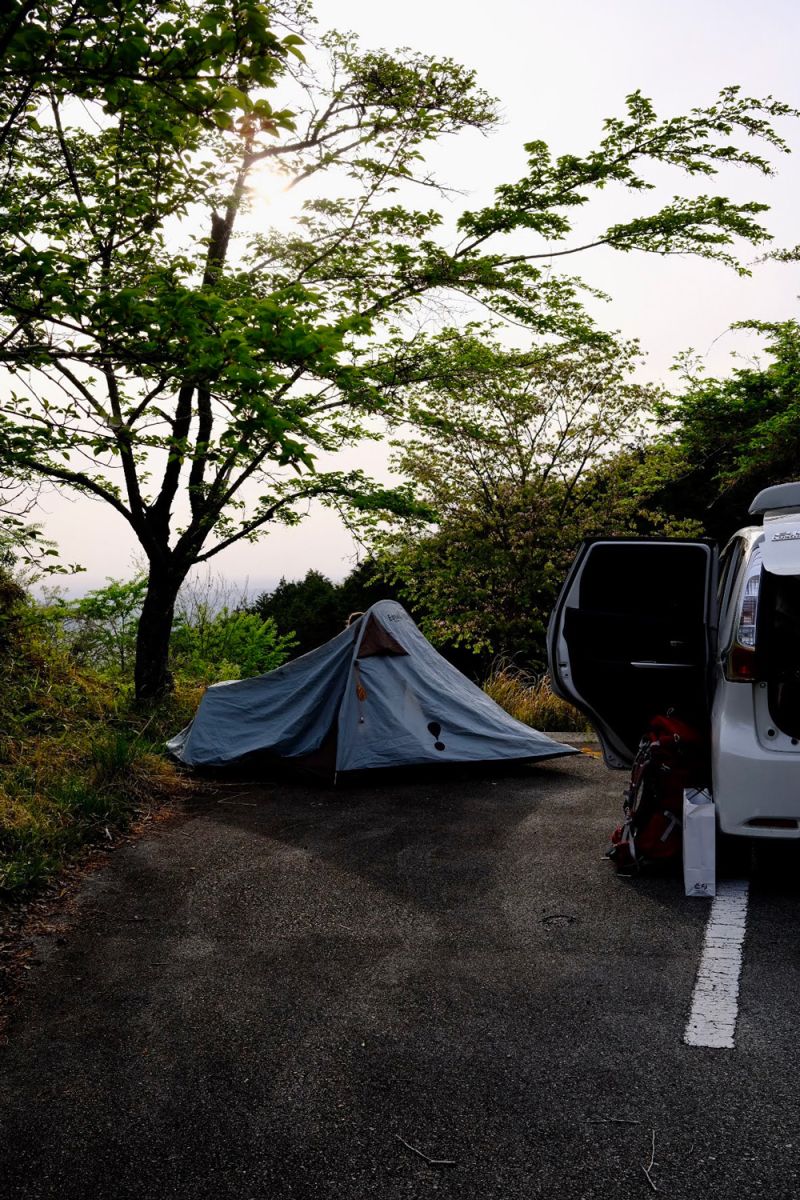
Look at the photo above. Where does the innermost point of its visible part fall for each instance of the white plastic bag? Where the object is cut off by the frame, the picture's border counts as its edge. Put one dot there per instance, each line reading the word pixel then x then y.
pixel 699 843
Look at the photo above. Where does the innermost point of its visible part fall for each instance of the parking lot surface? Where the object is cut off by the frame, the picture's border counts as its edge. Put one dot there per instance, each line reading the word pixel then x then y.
pixel 294 990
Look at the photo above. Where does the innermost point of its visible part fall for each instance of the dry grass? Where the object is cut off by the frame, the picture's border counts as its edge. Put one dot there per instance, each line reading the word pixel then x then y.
pixel 529 698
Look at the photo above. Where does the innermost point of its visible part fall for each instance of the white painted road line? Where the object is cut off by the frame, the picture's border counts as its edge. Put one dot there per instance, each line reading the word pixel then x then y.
pixel 715 1001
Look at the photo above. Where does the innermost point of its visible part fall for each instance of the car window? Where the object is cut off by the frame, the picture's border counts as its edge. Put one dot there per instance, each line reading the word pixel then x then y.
pixel 729 562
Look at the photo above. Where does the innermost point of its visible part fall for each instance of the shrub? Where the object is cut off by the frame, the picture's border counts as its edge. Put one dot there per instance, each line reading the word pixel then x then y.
pixel 100 627
pixel 228 645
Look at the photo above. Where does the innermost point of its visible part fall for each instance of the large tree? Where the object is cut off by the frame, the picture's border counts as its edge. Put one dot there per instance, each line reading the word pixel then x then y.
pixel 191 380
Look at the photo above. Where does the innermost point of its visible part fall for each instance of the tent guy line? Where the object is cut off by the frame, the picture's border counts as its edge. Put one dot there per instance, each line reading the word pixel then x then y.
pixel 715 1001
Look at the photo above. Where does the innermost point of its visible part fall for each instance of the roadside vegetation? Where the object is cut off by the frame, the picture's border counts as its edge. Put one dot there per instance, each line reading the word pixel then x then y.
pixel 80 760
pixel 76 764
pixel 530 699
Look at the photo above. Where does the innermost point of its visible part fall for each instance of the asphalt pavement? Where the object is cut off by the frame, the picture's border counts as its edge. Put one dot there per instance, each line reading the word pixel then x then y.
pixel 295 992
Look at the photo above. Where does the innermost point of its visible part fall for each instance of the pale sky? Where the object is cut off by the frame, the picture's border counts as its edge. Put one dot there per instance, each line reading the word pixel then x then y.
pixel 558 69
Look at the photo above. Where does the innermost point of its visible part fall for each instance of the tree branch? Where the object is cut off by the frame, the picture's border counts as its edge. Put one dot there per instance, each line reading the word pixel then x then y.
pixel 122 437
pixel 262 519
pixel 82 483
pixel 71 172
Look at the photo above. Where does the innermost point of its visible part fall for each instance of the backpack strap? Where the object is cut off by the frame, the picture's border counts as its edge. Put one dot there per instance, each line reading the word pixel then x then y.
pixel 672 821
pixel 641 764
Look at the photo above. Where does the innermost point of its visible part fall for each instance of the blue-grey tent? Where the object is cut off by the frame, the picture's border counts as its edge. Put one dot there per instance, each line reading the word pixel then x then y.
pixel 377 695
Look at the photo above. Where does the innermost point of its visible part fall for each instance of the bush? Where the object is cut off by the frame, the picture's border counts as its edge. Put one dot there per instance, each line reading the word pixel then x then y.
pixel 213 637
pixel 100 627
pixel 227 645
pixel 530 699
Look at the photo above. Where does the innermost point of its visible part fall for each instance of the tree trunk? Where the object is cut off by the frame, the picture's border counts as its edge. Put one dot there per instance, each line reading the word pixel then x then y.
pixel 151 673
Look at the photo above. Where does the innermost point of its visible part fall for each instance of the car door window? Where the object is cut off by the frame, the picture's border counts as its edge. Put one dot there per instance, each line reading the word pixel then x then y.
pixel 729 563
pixel 636 633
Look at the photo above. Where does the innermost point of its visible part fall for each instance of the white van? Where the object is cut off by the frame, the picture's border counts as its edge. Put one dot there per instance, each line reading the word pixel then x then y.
pixel 645 625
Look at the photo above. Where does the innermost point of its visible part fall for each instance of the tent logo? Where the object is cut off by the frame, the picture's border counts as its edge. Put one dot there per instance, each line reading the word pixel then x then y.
pixel 435 728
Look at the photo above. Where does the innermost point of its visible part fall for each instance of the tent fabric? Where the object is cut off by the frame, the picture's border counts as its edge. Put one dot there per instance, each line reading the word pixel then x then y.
pixel 391 699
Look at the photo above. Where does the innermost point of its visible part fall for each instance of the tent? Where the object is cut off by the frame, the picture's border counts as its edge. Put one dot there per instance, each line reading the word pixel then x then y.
pixel 377 695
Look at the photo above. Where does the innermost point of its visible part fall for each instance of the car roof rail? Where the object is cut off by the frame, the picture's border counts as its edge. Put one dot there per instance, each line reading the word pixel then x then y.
pixel 780 496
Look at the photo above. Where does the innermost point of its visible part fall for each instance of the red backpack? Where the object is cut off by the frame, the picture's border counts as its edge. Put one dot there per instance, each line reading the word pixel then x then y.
pixel 671 757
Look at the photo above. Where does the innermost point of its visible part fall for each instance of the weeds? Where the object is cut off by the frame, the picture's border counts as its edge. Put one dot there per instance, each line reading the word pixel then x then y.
pixel 78 763
pixel 530 699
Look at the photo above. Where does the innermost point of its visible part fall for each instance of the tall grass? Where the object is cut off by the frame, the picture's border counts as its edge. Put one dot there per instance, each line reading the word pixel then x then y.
pixel 77 762
pixel 60 794
pixel 530 699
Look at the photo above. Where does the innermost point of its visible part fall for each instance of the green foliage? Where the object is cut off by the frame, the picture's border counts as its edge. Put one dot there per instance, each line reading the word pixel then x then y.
pixel 317 609
pixel 165 367
pixel 100 627
pixel 308 606
pixel 183 60
pixel 506 447
pixel 228 645
pixel 717 443
pixel 522 456
pixel 75 766
pixel 211 640
pixel 727 438
pixel 22 541
pixel 362 588
pixel 698 143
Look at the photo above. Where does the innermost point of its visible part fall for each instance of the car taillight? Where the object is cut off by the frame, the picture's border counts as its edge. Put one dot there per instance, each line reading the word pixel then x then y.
pixel 741 664
pixel 746 632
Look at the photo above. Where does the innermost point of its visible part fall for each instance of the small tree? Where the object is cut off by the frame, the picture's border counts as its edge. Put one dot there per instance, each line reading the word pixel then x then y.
pixel 722 440
pixel 191 382
pixel 307 606
pixel 505 459
pixel 101 626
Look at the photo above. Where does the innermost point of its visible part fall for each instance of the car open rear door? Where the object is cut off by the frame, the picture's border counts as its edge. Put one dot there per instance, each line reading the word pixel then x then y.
pixel 632 635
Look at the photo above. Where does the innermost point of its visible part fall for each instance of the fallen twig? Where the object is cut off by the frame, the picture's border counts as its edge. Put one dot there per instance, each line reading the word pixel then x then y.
pixel 647 1177
pixel 647 1169
pixel 433 1162
pixel 617 1120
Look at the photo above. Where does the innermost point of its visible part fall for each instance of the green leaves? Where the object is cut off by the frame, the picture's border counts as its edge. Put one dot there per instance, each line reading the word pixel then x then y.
pixel 211 645
pixel 187 68
pixel 501 448
pixel 698 143
pixel 725 439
